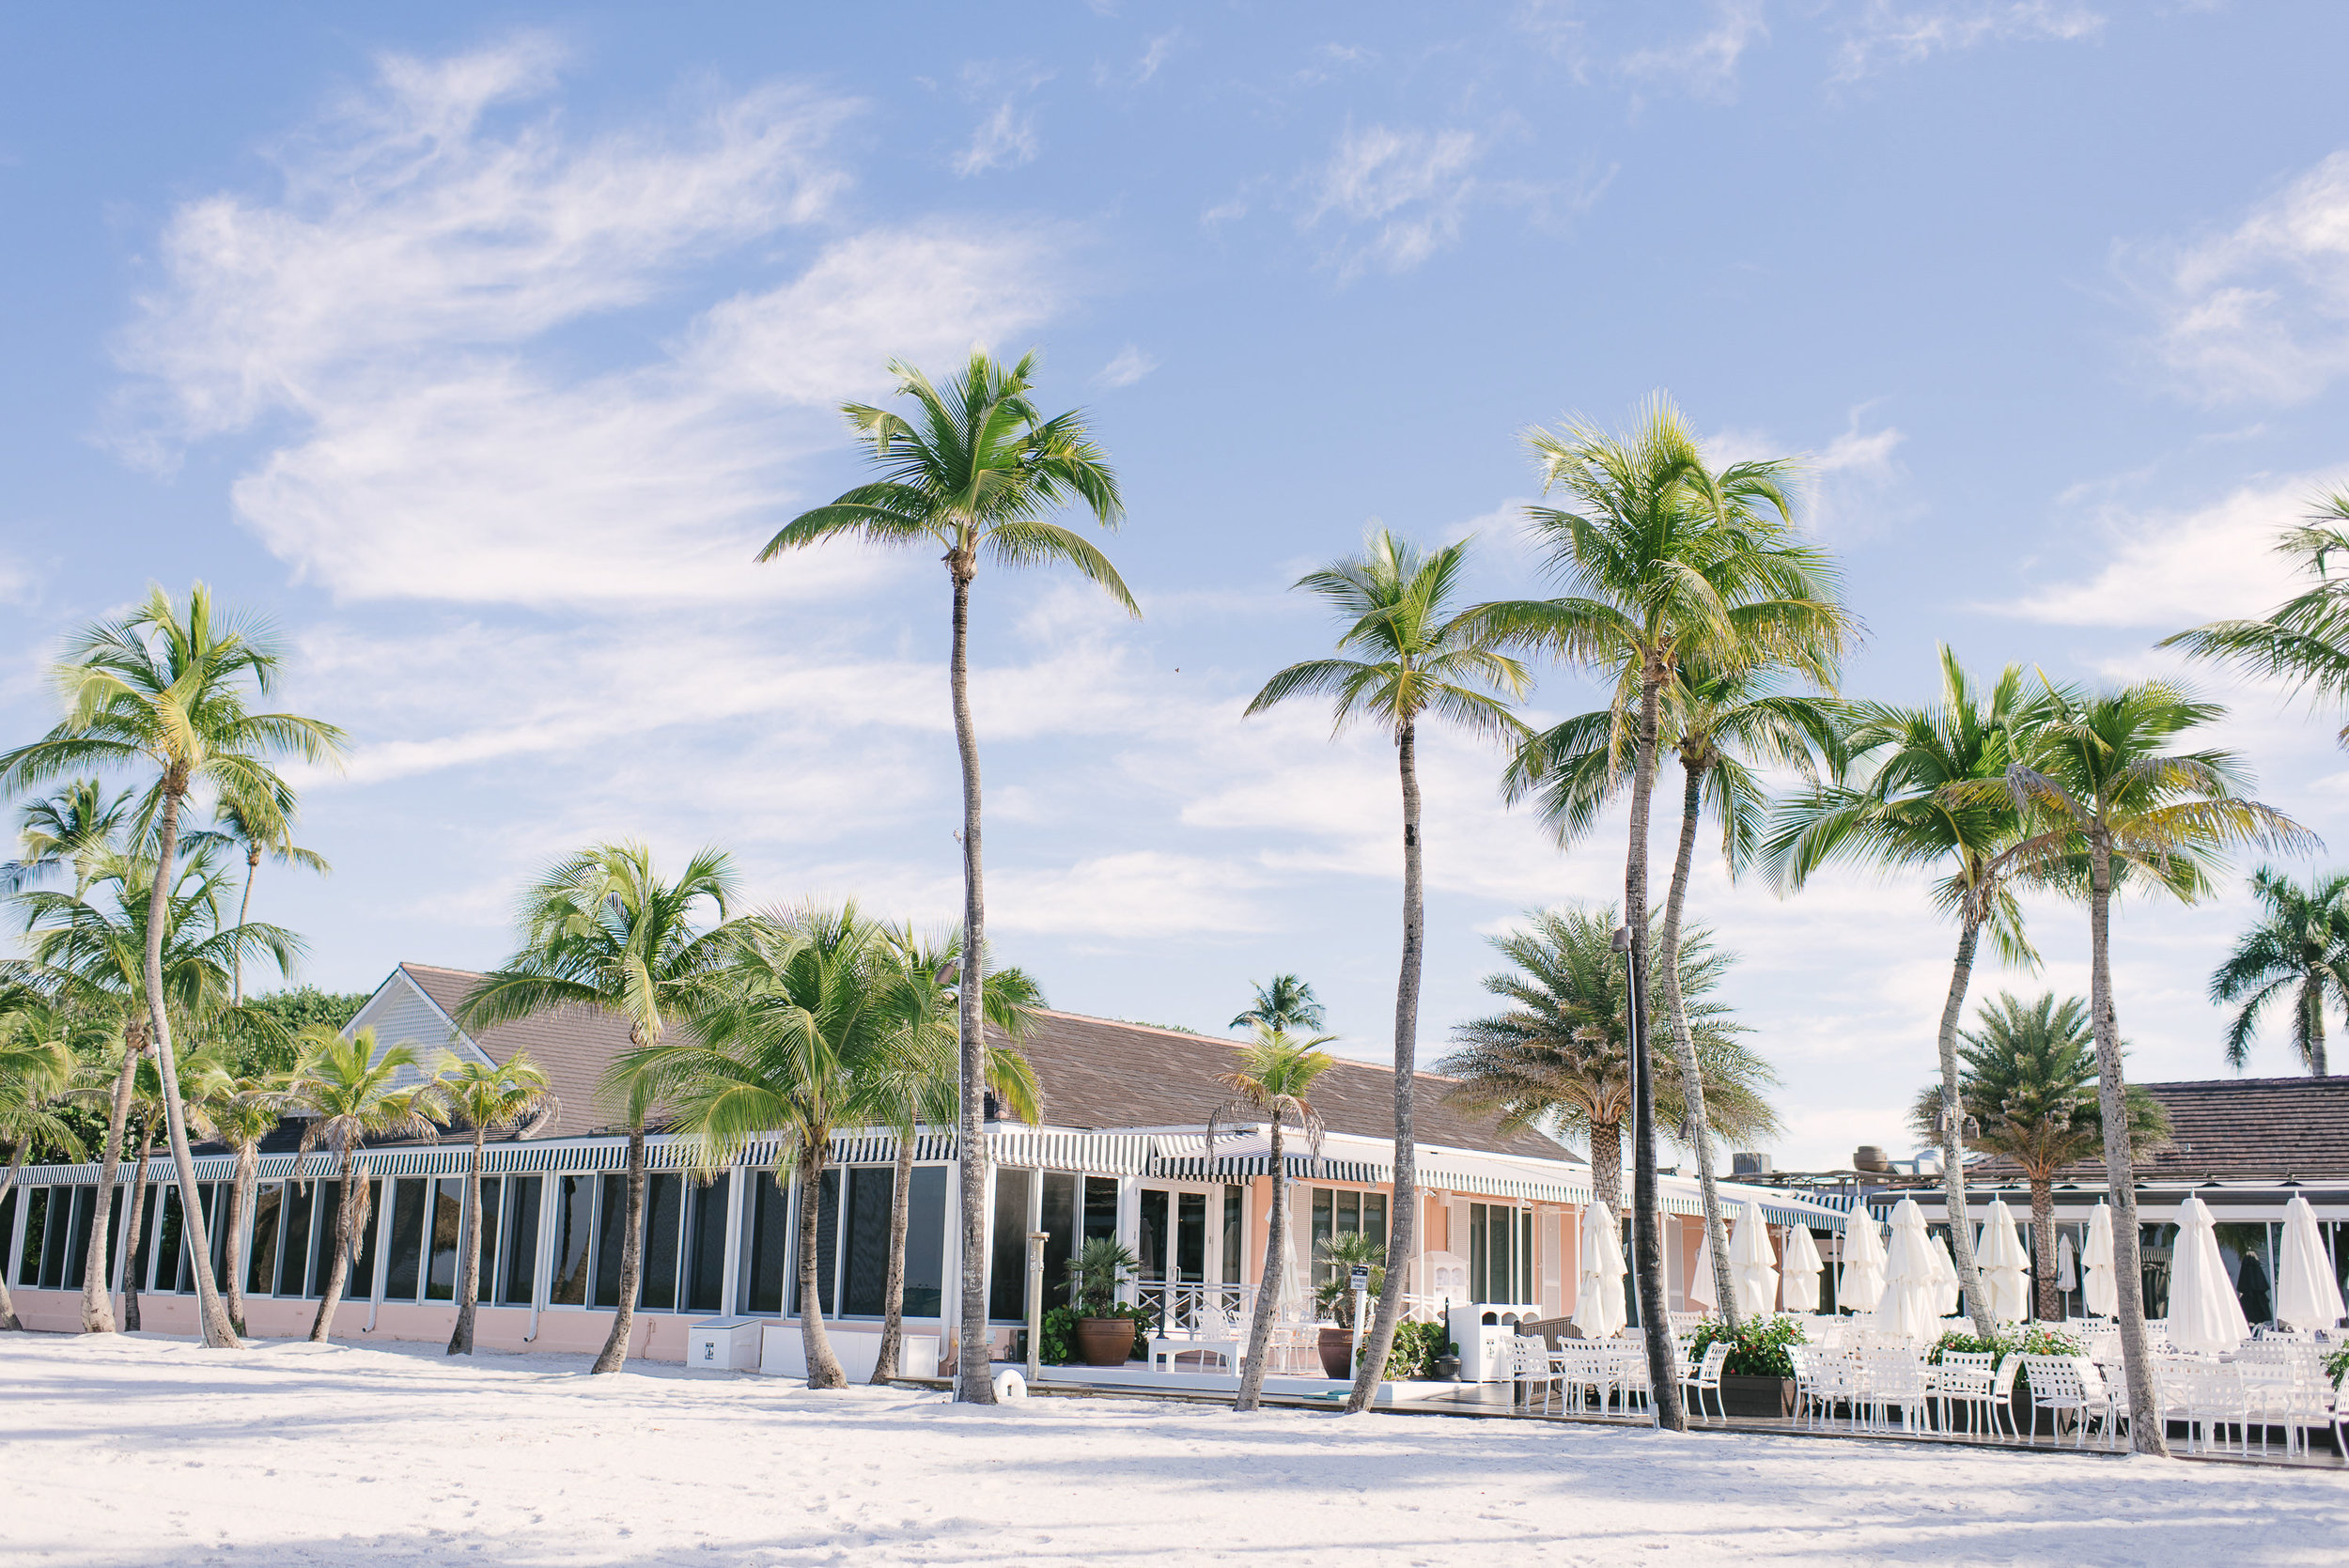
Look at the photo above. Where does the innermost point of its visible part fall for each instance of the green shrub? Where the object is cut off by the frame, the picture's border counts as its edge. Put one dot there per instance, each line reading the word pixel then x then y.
pixel 1416 1347
pixel 2337 1366
pixel 1059 1345
pixel 2031 1338
pixel 1756 1349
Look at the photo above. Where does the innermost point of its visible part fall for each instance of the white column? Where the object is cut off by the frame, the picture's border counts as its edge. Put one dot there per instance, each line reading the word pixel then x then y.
pixel 739 1196
pixel 1130 1225
pixel 15 1238
pixel 950 1294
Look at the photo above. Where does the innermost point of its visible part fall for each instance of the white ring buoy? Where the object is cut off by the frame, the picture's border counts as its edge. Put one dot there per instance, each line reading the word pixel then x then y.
pixel 1010 1388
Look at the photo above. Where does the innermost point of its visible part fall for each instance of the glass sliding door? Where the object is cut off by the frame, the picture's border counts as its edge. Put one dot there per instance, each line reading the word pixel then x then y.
pixel 1058 1221
pixel 1007 1254
pixel 1190 1238
pixel 1151 1237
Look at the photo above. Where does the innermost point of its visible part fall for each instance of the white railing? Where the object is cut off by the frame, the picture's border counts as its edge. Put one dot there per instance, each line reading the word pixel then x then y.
pixel 1189 1306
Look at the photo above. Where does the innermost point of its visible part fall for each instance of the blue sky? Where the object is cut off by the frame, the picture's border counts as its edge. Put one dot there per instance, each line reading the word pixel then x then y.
pixel 480 347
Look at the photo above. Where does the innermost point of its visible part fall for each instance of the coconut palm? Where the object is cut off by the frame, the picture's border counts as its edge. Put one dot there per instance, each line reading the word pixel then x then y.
pixel 162 692
pixel 202 1070
pixel 72 827
pixel 2303 642
pixel 241 1112
pixel 2097 777
pixel 346 1092
pixel 1274 1077
pixel 602 932
pixel 2300 946
pixel 513 1097
pixel 1557 1058
pixel 917 1082
pixel 1668 565
pixel 36 1063
pixel 1288 1002
pixel 1913 807
pixel 261 827
pixel 798 1046
pixel 1405 657
pixel 977 471
pixel 2028 1093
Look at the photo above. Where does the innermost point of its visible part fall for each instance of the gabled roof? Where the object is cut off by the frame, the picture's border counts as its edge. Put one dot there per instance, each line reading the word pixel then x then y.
pixel 2234 1129
pixel 572 1047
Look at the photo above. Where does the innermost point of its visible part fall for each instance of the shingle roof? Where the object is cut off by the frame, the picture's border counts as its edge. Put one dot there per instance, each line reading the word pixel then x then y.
pixel 2237 1129
pixel 572 1047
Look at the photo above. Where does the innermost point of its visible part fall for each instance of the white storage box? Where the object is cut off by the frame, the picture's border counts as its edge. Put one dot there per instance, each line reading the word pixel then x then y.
pixel 1486 1336
pixel 723 1345
pixel 783 1352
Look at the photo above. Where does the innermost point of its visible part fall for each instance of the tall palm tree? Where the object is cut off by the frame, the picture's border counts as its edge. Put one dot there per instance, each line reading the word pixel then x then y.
pixel 348 1091
pixel 1286 1003
pixel 163 693
pixel 2301 946
pixel 2098 776
pixel 1274 1077
pixel 35 1066
pixel 488 1097
pixel 602 932
pixel 201 1072
pixel 1914 806
pixel 261 827
pixel 2303 642
pixel 1667 563
pixel 798 1046
pixel 917 1082
pixel 2028 1093
pixel 1404 656
pixel 72 827
pixel 1557 1058
pixel 977 471
pixel 241 1112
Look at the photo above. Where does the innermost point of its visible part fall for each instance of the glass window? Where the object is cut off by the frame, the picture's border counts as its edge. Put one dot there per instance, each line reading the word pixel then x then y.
pixel 1324 1217
pixel 327 1217
pixel 1101 1207
pixel 2156 1244
pixel 1374 1216
pixel 611 1225
pixel 522 1240
pixel 1190 1238
pixel 141 1255
pixel 872 1191
pixel 76 1258
pixel 1058 1222
pixel 1525 1255
pixel 406 1263
pixel 57 1239
pixel 446 1226
pixel 293 1254
pixel 574 1217
pixel 1232 1202
pixel 770 1246
pixel 664 1197
pixel 36 1218
pixel 1349 1215
pixel 1007 1257
pixel 1480 1255
pixel 269 1206
pixel 827 1247
pixel 359 1280
pixel 925 1242
pixel 486 1255
pixel 706 1246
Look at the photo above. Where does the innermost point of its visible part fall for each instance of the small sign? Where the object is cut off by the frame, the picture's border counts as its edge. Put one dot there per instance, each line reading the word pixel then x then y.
pixel 1361 1276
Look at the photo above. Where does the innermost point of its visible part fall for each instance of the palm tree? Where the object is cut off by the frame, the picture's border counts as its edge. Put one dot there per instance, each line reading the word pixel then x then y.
pixel 1557 1058
pixel 241 1112
pixel 2029 1093
pixel 348 1091
pixel 1667 563
pixel 488 1097
pixel 36 1065
pixel 162 692
pixel 1917 805
pixel 977 471
pixel 261 827
pixel 201 1071
pixel 2300 945
pixel 798 1046
pixel 2304 639
pixel 602 932
pixel 1415 658
pixel 2096 774
pixel 917 1082
pixel 1276 1073
pixel 74 826
pixel 1287 1003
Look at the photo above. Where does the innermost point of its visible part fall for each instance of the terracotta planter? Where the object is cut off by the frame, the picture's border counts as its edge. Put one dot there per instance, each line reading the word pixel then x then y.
pixel 1757 1396
pixel 1105 1342
pixel 1337 1353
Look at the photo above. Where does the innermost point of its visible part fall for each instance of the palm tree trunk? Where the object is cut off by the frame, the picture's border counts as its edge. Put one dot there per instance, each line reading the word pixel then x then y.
pixel 131 1269
pixel 8 1266
pixel 1647 1237
pixel 823 1367
pixel 893 1282
pixel 244 906
pixel 1953 1130
pixel 2043 1246
pixel 974 1375
pixel 469 1276
pixel 1268 1287
pixel 98 1307
pixel 2316 1038
pixel 1403 1212
pixel 217 1332
pixel 2147 1434
pixel 241 1187
pixel 1607 1165
pixel 338 1266
pixel 1685 1045
pixel 614 1355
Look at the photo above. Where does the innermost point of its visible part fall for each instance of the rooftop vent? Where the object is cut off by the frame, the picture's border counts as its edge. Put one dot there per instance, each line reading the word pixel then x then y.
pixel 1748 1165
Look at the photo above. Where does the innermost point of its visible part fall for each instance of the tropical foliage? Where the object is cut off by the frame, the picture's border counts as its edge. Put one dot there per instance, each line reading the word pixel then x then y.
pixel 2297 955
pixel 1273 1079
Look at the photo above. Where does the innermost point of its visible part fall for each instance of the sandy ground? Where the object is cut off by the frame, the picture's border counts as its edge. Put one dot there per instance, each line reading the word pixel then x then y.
pixel 128 1451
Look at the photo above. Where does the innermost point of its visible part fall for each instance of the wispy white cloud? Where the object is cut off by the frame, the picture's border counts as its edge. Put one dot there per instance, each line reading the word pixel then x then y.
pixel 1889 33
pixel 1401 193
pixel 1159 49
pixel 1130 366
pixel 1854 479
pixel 2259 312
pixel 1705 65
pixel 1006 135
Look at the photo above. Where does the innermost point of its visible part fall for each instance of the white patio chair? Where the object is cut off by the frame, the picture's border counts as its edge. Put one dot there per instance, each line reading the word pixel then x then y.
pixel 1707 1378
pixel 2055 1388
pixel 1896 1381
pixel 2212 1397
pixel 1536 1368
pixel 1966 1377
pixel 1626 1361
pixel 1806 1383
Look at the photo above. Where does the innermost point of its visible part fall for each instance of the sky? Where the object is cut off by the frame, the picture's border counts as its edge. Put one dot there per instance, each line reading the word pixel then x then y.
pixel 480 347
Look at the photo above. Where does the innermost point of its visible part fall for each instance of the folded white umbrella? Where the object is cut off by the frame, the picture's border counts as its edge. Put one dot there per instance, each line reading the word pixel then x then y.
pixel 1699 1289
pixel 1800 1270
pixel 2102 1295
pixel 1912 1279
pixel 1859 1283
pixel 2204 1311
pixel 2307 1295
pixel 2000 1255
pixel 1948 1300
pixel 2067 1267
pixel 1598 1290
pixel 1753 1265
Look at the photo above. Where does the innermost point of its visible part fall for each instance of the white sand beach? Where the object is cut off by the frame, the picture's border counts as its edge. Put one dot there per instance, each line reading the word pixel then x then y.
pixel 130 1452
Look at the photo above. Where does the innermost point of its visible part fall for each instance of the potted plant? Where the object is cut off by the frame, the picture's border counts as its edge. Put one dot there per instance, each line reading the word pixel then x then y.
pixel 1335 1299
pixel 1106 1331
pixel 1758 1378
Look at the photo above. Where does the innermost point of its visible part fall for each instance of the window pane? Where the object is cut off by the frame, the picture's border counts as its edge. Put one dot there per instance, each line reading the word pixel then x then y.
pixel 447 1225
pixel 328 1214
pixel 1525 1255
pixel 1153 1233
pixel 115 1203
pixel 406 1264
pixel 1324 1213
pixel 827 1246
pixel 926 1243
pixel 706 1247
pixel 76 1258
pixel 611 1227
pixel 1190 1238
pixel 268 1209
pixel 1479 1252
pixel 484 1282
pixel 1349 1213
pixel 294 1225
pixel 1007 1258
pixel 771 1209
pixel 1101 1206
pixel 35 1221
pixel 169 1265
pixel 142 1272
pixel 57 1239
pixel 1374 1216
pixel 865 1266
pixel 360 1281
pixel 574 1215
pixel 522 1240
pixel 663 1194
pixel 1060 1223
pixel 1232 1202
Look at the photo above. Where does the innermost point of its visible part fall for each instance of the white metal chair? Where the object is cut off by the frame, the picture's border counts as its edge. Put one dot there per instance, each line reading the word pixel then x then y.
pixel 2055 1386
pixel 1966 1377
pixel 1806 1383
pixel 2212 1397
pixel 1895 1381
pixel 1707 1378
pixel 1537 1367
